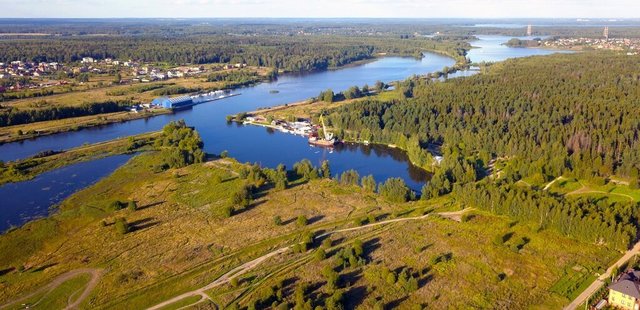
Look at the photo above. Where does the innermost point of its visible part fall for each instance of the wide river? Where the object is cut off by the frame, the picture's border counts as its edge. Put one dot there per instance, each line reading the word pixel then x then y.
pixel 23 201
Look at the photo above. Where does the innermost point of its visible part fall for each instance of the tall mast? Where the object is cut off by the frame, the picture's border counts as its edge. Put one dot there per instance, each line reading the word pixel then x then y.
pixel 327 135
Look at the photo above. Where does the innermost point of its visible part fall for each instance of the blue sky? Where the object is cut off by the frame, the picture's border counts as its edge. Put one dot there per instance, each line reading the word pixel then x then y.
pixel 321 8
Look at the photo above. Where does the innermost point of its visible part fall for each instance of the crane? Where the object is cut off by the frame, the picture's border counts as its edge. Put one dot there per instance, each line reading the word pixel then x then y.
pixel 327 135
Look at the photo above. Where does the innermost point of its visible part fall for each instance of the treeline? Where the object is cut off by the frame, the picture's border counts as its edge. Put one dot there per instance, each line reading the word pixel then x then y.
pixel 13 116
pixel 175 90
pixel 588 219
pixel 289 53
pixel 241 77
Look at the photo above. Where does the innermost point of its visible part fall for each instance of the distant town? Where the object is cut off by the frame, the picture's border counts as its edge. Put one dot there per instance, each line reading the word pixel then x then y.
pixel 631 46
pixel 20 75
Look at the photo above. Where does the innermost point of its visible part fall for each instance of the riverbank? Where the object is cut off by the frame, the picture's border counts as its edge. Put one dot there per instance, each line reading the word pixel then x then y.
pixel 310 110
pixel 18 133
pixel 30 168
pixel 178 238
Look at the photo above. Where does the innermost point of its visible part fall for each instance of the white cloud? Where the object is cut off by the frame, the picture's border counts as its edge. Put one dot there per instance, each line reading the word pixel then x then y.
pixel 320 8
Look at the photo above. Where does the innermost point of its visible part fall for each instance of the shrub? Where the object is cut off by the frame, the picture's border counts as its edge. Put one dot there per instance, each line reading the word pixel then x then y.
pixel 116 205
pixel 132 205
pixel 326 243
pixel 227 211
pixel 277 220
pixel 122 227
pixel 320 254
pixel 371 218
pixel 466 217
pixel 302 221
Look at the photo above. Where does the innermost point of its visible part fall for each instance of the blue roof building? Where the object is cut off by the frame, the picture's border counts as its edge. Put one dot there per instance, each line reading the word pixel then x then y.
pixel 173 103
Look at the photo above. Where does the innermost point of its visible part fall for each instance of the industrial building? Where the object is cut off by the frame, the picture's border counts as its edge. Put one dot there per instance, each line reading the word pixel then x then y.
pixel 173 103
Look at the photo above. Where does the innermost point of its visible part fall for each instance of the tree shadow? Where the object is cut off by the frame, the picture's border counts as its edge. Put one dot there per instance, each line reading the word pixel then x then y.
pixel 289 221
pixel 315 219
pixel 425 280
pixel 42 268
pixel 355 296
pixel 288 285
pixel 150 205
pixel 250 207
pixel 6 271
pixel 142 224
pixel 396 303
pixel 370 246
pixel 351 277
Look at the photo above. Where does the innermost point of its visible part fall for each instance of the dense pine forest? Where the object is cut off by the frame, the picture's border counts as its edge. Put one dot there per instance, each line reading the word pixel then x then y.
pixel 573 115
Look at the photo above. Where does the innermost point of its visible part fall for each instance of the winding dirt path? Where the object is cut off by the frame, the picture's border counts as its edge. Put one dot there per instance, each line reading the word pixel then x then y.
pixel 560 178
pixel 235 272
pixel 584 190
pixel 95 277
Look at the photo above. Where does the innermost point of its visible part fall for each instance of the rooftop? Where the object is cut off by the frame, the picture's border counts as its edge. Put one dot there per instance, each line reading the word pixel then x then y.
pixel 628 284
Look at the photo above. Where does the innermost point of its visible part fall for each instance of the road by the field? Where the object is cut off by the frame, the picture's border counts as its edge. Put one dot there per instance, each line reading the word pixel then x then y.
pixel 597 284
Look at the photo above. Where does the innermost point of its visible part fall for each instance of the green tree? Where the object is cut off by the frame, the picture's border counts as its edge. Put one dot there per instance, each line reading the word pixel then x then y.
pixel 395 190
pixel 368 183
pixel 121 225
pixel 326 170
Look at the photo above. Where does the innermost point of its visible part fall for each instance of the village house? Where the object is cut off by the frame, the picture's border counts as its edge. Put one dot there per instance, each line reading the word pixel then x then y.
pixel 624 293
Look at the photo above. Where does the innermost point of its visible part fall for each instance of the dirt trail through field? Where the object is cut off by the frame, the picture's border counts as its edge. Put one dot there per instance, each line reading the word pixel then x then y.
pixel 235 272
pixel 95 276
pixel 560 178
pixel 584 190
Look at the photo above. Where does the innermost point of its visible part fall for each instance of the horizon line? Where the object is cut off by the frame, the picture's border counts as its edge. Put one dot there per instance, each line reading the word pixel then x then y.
pixel 333 17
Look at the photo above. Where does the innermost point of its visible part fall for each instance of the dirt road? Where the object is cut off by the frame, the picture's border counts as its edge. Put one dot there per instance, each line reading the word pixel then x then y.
pixel 597 284
pixel 235 272
pixel 95 277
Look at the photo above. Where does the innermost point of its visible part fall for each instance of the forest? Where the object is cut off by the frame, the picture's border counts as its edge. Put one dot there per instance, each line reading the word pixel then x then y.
pixel 574 115
pixel 288 53
pixel 12 116
pixel 288 27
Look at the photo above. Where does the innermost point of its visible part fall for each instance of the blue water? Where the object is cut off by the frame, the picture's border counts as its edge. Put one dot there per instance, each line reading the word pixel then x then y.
pixel 245 143
pixel 24 201
pixel 491 49
pixel 209 118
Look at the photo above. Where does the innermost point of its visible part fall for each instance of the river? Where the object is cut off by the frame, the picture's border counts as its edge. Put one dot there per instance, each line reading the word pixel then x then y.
pixel 248 143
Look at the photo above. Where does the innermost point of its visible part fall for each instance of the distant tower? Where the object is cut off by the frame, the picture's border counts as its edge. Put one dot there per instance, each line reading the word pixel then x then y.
pixel 529 31
pixel 606 33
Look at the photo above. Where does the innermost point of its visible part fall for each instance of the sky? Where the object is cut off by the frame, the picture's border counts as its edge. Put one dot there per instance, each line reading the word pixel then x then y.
pixel 320 8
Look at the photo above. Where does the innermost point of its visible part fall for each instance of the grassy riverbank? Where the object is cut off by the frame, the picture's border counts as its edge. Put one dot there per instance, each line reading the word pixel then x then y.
pixel 39 129
pixel 30 168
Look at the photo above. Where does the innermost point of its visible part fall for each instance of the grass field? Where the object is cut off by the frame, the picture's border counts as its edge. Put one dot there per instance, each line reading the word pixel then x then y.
pixel 180 241
pixel 612 191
